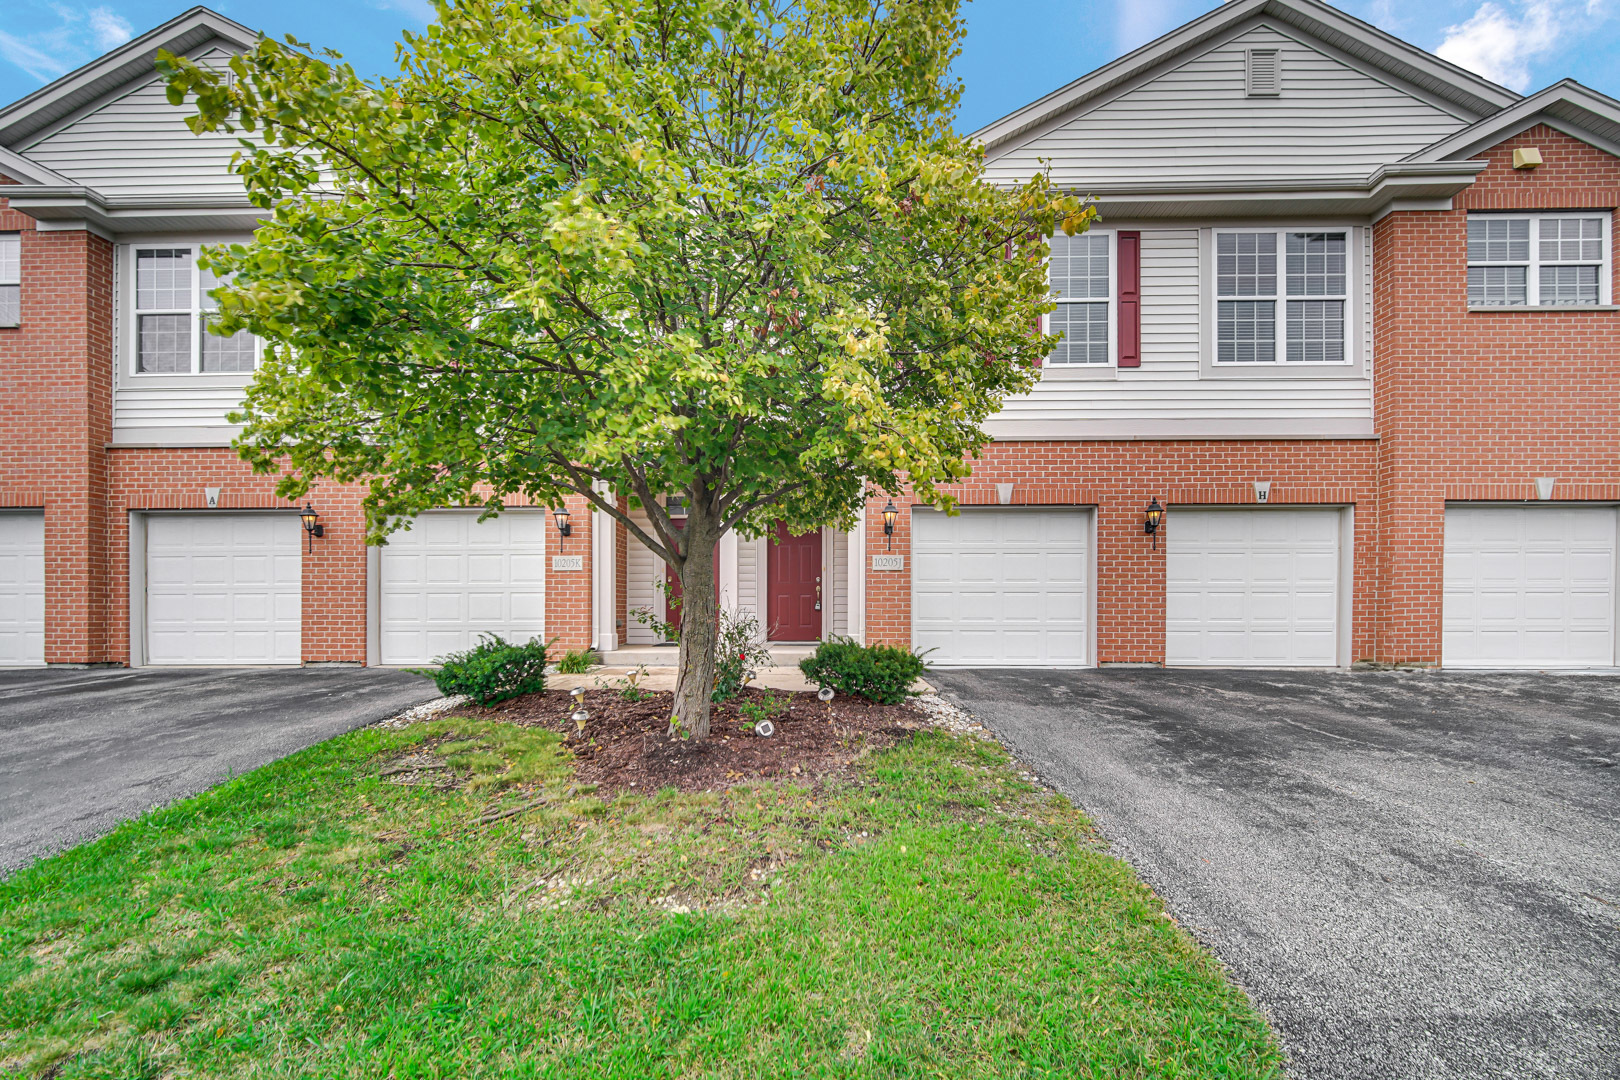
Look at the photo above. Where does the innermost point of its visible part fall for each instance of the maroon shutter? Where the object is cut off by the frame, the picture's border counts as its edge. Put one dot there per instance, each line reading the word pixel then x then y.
pixel 1130 299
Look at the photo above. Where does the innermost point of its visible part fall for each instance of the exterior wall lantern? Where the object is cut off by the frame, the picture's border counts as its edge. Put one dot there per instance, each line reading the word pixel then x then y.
pixel 891 514
pixel 312 524
pixel 1155 514
pixel 563 528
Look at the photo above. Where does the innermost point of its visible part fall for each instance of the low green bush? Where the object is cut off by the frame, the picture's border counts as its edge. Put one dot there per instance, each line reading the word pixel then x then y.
pixel 491 671
pixel 880 673
pixel 577 661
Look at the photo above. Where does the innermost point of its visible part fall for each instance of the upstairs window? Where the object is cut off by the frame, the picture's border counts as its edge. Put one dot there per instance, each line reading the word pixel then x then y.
pixel 10 279
pixel 1542 260
pixel 172 313
pixel 1282 297
pixel 1082 286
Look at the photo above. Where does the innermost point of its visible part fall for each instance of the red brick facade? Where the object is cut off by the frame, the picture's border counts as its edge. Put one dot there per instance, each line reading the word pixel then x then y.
pixel 1118 479
pixel 1474 405
pixel 1468 405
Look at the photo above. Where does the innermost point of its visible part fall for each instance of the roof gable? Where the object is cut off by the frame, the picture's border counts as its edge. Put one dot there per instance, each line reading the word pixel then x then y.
pixel 1576 110
pixel 1451 88
pixel 131 62
pixel 1191 121
pixel 136 144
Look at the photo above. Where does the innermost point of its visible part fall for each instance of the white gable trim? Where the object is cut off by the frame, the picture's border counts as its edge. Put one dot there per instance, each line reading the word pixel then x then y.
pixel 1578 111
pixel 1467 95
pixel 26 171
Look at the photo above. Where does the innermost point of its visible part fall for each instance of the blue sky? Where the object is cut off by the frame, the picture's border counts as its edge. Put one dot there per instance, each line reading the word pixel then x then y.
pixel 1016 50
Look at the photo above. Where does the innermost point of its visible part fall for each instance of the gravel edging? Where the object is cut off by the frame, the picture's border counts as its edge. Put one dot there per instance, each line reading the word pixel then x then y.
pixel 425 711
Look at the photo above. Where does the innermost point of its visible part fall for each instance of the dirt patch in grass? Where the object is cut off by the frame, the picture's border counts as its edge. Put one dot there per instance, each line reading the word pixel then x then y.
pixel 626 745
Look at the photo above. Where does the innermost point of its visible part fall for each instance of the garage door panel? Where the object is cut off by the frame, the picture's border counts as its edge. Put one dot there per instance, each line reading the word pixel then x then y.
pixel 997 587
pixel 1253 588
pixel 1529 586
pixel 450 578
pixel 223 589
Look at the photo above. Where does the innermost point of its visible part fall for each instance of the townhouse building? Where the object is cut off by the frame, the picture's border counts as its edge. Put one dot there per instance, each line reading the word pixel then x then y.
pixel 1346 330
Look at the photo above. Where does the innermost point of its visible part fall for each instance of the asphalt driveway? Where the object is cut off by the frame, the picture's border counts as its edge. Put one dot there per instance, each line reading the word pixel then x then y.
pixel 1415 874
pixel 81 751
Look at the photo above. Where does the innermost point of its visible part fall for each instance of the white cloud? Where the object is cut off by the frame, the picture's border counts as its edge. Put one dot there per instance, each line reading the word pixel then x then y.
pixel 77 36
pixel 420 11
pixel 1137 22
pixel 110 28
pixel 1499 44
pixel 39 64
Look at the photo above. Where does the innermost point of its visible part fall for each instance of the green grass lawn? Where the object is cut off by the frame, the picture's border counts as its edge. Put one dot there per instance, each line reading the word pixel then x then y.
pixel 932 916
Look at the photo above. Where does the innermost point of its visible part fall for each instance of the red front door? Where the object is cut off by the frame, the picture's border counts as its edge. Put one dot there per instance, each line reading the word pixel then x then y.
pixel 793 586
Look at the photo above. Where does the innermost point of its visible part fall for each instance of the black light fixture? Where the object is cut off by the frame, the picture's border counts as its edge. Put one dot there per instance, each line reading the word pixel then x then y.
pixel 312 524
pixel 563 528
pixel 891 514
pixel 1155 514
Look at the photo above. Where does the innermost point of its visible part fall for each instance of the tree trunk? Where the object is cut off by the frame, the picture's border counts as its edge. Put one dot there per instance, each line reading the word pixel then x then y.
pixel 699 631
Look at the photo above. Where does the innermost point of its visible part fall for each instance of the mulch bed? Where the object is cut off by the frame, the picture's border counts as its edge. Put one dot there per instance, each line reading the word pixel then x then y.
pixel 626 745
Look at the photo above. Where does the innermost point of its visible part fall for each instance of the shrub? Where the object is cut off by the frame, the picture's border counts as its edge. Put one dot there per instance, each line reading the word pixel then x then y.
pixel 491 671
pixel 577 661
pixel 880 673
pixel 739 650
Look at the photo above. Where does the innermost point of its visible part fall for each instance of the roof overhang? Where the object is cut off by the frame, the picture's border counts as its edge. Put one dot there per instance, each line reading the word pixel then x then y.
pixel 69 206
pixel 133 59
pixel 1576 110
pixel 1392 187
pixel 25 170
pixel 1466 93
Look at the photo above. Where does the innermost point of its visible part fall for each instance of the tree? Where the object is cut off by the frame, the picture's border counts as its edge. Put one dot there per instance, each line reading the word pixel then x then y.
pixel 729 250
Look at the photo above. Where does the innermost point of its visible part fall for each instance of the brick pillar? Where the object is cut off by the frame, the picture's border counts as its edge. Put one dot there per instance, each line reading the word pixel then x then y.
pixel 888 592
pixel 334 576
pixel 55 423
pixel 568 592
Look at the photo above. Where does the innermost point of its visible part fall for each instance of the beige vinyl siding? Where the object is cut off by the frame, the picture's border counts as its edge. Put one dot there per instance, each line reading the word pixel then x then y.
pixel 1196 122
pixel 750 563
pixel 1165 397
pixel 137 144
pixel 643 570
pixel 836 545
pixel 184 410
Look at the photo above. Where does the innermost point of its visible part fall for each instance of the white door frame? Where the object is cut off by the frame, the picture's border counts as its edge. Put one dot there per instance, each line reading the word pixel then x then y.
pixel 1344 603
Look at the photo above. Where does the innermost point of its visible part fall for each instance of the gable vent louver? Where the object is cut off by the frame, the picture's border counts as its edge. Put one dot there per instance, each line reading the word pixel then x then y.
pixel 1265 73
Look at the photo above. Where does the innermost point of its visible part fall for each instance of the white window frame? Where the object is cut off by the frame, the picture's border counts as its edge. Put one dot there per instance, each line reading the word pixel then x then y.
pixel 7 280
pixel 1049 368
pixel 1532 285
pixel 129 302
pixel 1281 298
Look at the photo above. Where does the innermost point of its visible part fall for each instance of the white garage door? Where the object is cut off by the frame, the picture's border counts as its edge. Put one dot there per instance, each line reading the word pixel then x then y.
pixel 1252 588
pixel 1529 587
pixel 449 579
pixel 1001 588
pixel 22 589
pixel 223 589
